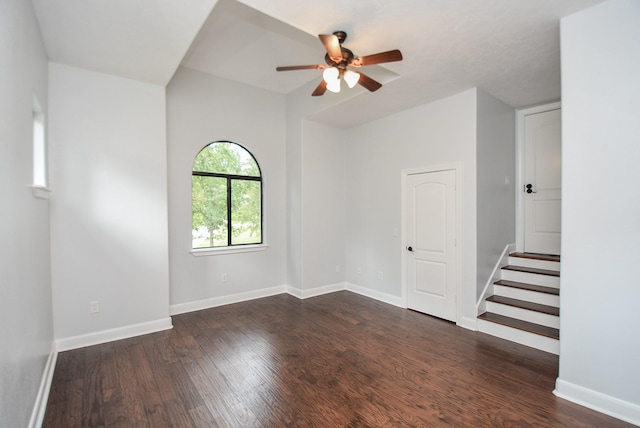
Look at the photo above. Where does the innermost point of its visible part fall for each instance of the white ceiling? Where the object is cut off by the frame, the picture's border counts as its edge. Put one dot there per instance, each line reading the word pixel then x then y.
pixel 509 48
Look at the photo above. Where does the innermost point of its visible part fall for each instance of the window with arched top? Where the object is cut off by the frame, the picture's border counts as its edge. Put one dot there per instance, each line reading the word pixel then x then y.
pixel 226 194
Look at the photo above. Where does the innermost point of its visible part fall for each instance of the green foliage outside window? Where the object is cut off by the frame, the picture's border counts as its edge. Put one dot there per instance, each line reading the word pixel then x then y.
pixel 226 197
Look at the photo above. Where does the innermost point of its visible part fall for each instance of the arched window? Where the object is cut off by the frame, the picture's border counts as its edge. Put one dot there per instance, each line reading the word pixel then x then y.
pixel 226 194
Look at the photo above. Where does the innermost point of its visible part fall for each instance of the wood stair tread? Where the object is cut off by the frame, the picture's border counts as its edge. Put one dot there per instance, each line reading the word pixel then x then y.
pixel 536 256
pixel 541 330
pixel 531 270
pixel 537 307
pixel 529 287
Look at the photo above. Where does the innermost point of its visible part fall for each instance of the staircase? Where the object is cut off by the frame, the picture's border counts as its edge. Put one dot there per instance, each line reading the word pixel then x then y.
pixel 524 306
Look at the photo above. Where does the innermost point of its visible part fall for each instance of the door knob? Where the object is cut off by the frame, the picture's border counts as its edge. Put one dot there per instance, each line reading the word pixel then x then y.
pixel 410 248
pixel 529 188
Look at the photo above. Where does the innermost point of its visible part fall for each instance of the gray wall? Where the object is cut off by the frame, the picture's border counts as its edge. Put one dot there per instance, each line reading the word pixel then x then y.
pixel 109 235
pixel 201 109
pixel 323 205
pixel 496 199
pixel 26 335
pixel 441 132
pixel 599 347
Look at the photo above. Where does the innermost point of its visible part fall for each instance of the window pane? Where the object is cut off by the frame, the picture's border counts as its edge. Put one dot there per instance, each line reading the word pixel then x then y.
pixel 245 212
pixel 209 211
pixel 39 147
pixel 226 158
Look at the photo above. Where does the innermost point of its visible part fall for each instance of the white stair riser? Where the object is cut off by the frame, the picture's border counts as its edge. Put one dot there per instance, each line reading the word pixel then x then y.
pixel 524 314
pixel 528 296
pixel 523 337
pixel 532 263
pixel 531 278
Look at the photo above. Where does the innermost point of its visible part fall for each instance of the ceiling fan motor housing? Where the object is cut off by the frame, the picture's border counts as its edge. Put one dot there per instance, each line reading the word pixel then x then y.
pixel 347 57
pixel 341 35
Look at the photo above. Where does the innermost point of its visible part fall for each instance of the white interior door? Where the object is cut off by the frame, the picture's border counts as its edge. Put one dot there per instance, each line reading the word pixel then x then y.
pixel 431 238
pixel 542 182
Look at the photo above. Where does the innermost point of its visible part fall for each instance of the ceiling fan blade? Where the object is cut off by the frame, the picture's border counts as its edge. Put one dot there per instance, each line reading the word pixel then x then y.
pixel 368 82
pixel 301 67
pixel 389 56
pixel 320 89
pixel 332 45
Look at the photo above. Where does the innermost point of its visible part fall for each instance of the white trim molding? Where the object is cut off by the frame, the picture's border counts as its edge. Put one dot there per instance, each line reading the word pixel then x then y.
pixel 317 291
pixel 620 409
pixel 468 323
pixel 113 334
pixel 40 192
pixel 376 295
pixel 213 302
pixel 198 305
pixel 40 405
pixel 234 249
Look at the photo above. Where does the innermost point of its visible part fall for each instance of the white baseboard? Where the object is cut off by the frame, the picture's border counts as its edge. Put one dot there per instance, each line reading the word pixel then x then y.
pixel 40 405
pixel 110 335
pixel 469 323
pixel 620 409
pixel 213 302
pixel 198 305
pixel 377 295
pixel 318 291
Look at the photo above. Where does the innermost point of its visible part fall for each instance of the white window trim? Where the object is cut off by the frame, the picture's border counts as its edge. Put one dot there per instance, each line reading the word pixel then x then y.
pixel 201 252
pixel 41 192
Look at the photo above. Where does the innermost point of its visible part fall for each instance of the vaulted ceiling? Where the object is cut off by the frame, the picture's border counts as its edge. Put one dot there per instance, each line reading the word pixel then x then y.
pixel 509 48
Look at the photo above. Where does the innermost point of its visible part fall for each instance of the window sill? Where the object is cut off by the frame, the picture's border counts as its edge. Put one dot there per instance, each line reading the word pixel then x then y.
pixel 201 252
pixel 40 192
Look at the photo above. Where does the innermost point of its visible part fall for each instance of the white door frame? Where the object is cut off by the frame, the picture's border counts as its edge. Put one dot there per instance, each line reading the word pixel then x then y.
pixel 520 116
pixel 457 167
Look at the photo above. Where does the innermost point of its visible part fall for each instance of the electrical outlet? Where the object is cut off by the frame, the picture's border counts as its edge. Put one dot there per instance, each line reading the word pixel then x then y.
pixel 225 277
pixel 338 268
pixel 359 270
pixel 94 307
pixel 380 275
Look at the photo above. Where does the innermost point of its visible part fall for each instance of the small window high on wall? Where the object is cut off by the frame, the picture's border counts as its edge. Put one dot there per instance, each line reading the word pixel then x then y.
pixel 226 195
pixel 40 173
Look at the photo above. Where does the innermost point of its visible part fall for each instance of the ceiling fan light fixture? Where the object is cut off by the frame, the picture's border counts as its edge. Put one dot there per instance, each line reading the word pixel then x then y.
pixel 334 85
pixel 330 74
pixel 351 77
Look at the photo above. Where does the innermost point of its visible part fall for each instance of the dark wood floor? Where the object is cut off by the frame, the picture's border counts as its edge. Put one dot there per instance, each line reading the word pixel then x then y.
pixel 338 360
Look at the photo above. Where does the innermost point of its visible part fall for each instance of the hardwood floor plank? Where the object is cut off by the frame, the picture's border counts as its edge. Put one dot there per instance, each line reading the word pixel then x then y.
pixel 92 410
pixel 72 416
pixel 338 360
pixel 130 408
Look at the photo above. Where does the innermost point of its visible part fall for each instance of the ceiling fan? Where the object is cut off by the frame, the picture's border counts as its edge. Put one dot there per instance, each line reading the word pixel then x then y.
pixel 338 59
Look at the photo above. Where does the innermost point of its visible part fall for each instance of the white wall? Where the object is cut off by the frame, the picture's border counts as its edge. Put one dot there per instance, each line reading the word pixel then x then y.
pixel 294 197
pixel 599 347
pixel 442 132
pixel 304 139
pixel 496 200
pixel 201 109
pixel 323 205
pixel 109 202
pixel 26 335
